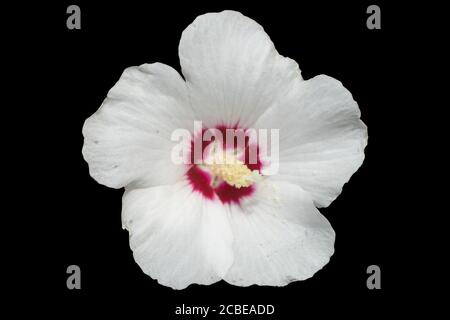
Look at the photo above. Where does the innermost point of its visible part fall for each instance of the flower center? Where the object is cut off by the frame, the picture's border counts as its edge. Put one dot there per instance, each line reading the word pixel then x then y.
pixel 225 173
pixel 227 167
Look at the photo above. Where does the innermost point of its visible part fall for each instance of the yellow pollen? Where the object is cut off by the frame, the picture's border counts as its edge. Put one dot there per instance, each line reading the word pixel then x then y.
pixel 234 172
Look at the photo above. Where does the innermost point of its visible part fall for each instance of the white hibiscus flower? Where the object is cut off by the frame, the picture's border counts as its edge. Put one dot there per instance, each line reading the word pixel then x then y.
pixel 189 224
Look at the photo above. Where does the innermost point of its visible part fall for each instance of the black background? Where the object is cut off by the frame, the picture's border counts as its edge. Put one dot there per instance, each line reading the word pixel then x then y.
pixel 77 221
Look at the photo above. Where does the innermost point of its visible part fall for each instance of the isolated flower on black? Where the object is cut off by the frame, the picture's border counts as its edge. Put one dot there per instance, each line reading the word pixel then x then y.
pixel 199 224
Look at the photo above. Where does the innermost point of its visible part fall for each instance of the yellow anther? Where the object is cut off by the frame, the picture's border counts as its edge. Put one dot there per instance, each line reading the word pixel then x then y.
pixel 233 171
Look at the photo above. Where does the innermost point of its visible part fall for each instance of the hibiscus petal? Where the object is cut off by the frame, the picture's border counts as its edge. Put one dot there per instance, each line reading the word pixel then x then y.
pixel 279 237
pixel 322 138
pixel 128 139
pixel 231 67
pixel 177 236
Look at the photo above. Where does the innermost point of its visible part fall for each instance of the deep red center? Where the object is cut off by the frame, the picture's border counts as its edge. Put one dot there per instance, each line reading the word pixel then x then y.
pixel 201 181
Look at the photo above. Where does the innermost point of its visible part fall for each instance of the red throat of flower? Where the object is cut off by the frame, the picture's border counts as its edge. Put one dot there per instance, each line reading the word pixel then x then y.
pixel 214 179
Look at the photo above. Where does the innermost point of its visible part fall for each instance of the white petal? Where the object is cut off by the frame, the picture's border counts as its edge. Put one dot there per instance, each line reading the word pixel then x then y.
pixel 128 139
pixel 279 237
pixel 177 236
pixel 322 138
pixel 232 68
